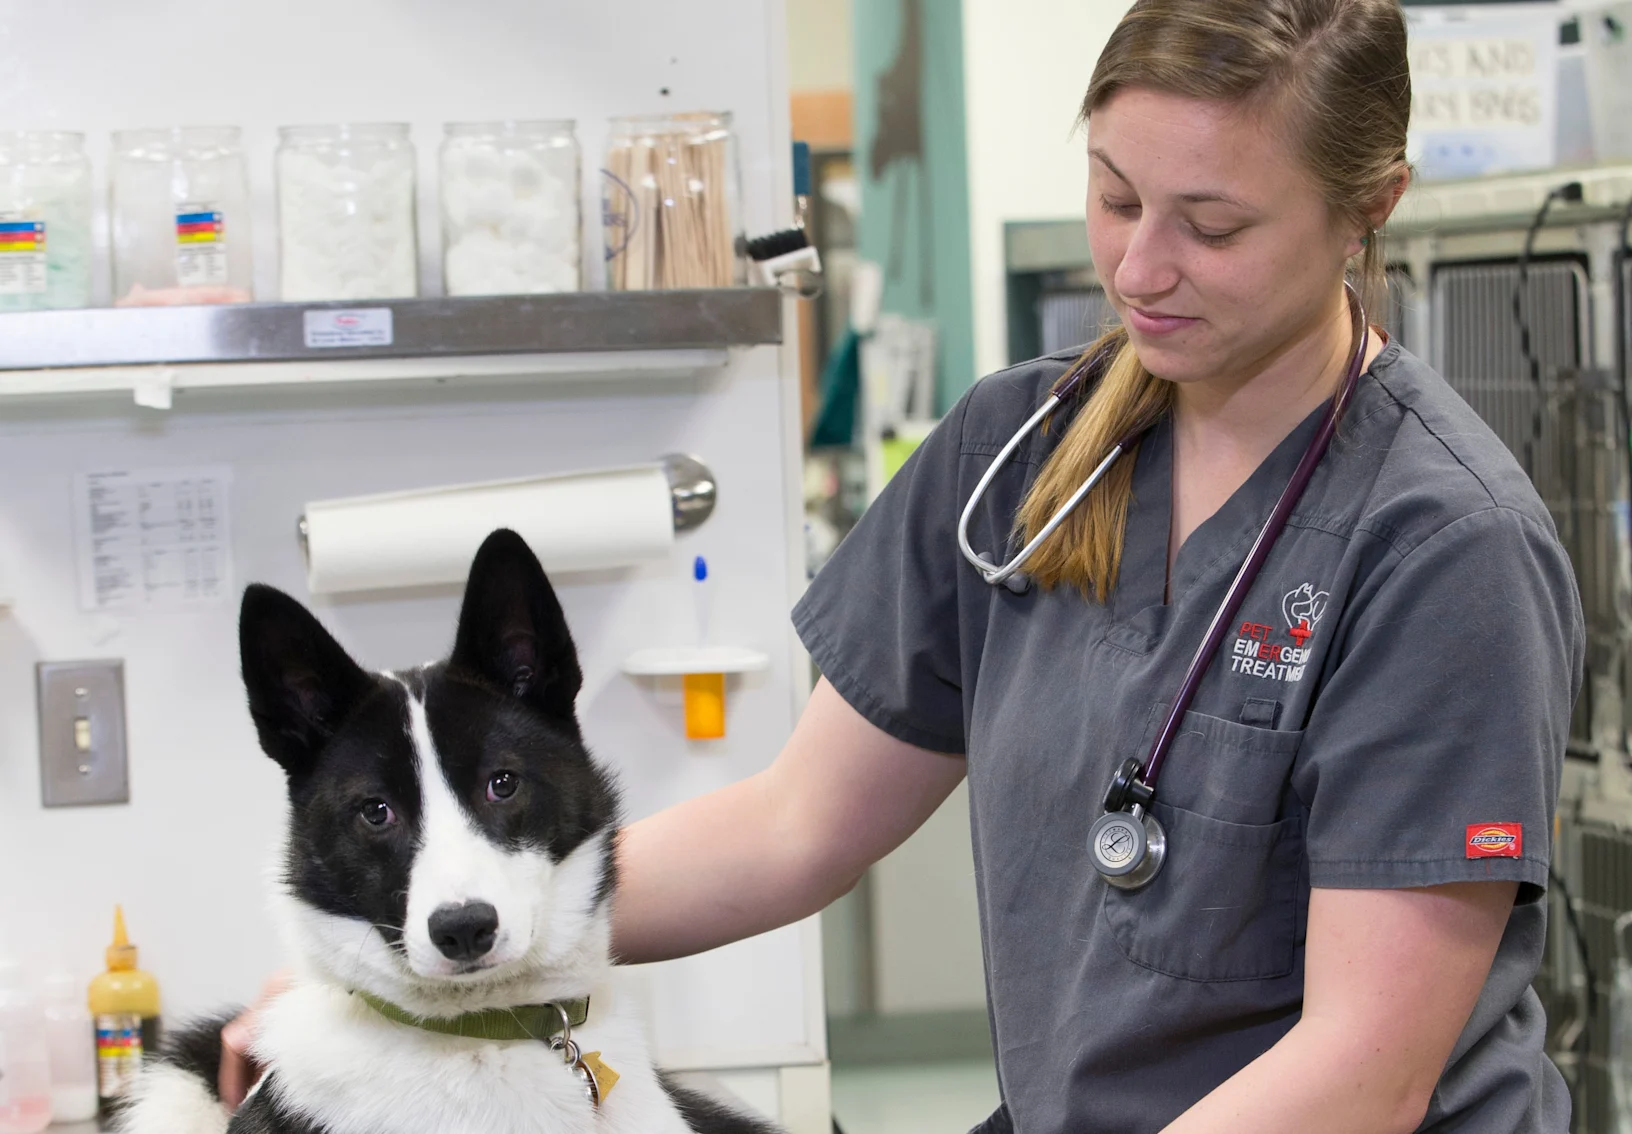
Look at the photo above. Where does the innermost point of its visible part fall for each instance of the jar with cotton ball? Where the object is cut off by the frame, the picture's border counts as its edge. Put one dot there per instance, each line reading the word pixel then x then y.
pixel 180 206
pixel 45 220
pixel 669 208
pixel 346 218
pixel 510 208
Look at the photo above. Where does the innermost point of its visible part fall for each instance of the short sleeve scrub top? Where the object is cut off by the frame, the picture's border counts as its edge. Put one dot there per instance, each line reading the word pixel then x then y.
pixel 1399 679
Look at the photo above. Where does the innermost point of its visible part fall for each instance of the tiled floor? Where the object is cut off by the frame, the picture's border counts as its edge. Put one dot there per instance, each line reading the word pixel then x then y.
pixel 911 1098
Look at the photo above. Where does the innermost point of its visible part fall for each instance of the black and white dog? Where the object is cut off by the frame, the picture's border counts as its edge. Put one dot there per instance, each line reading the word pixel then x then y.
pixel 448 874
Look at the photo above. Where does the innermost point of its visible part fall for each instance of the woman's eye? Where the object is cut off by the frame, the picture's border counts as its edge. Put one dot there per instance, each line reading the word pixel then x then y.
pixel 1117 209
pixel 376 813
pixel 1216 239
pixel 502 786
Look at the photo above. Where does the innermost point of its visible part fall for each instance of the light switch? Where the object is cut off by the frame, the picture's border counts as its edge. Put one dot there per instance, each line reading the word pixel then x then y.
pixel 82 733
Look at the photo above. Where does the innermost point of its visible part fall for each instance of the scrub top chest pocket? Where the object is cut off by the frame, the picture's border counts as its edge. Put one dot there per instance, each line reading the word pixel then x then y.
pixel 1230 903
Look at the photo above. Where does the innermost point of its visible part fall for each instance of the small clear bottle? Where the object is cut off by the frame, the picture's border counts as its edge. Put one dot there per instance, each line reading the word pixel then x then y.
pixel 180 207
pixel 71 1037
pixel 346 216
pixel 510 216
pixel 669 206
pixel 25 1061
pixel 45 220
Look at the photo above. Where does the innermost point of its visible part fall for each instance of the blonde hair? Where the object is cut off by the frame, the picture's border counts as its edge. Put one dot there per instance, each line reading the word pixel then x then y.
pixel 1335 73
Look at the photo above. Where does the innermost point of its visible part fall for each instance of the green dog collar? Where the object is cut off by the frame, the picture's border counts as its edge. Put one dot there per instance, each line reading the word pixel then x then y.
pixel 528 1022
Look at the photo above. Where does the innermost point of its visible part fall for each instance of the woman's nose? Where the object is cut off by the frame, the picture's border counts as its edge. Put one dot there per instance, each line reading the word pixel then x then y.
pixel 1148 268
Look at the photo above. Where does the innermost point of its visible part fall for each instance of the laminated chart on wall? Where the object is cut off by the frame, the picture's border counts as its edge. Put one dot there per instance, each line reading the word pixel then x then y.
pixel 1484 93
pixel 153 537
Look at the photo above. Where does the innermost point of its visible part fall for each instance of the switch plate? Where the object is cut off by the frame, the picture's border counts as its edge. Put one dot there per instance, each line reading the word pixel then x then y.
pixel 82 733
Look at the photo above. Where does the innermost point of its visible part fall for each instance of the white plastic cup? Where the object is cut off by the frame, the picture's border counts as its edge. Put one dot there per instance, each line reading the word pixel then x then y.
pixel 25 1060
pixel 71 1039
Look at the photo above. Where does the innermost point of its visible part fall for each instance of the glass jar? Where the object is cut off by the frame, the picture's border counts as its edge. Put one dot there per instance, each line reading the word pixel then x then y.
pixel 180 205
pixel 510 215
pixel 346 221
pixel 45 220
pixel 669 203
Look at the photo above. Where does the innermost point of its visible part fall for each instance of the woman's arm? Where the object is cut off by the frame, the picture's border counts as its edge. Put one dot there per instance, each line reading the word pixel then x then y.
pixel 1390 979
pixel 780 845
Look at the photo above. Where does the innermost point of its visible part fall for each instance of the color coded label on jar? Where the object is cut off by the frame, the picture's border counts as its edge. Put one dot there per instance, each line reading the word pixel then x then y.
pixel 22 255
pixel 201 245
pixel 118 1053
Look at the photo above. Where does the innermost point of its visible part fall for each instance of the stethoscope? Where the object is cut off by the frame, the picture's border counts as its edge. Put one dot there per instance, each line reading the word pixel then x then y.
pixel 1127 843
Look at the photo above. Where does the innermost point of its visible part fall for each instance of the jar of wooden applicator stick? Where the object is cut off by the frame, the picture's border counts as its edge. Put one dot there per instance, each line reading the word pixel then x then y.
pixel 669 208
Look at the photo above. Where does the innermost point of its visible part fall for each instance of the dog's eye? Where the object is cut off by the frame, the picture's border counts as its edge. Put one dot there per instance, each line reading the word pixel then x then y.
pixel 376 813
pixel 502 786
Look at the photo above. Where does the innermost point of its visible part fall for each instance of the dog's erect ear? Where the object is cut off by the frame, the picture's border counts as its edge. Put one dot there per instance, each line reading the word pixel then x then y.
pixel 512 633
pixel 301 683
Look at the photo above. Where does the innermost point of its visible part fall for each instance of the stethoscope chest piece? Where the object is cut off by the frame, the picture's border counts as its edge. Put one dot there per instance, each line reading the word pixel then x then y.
pixel 1128 848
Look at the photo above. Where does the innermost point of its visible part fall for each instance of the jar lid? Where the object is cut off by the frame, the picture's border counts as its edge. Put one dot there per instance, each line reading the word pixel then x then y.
pixel 519 128
pixel 42 141
pixel 166 142
pixel 683 123
pixel 346 132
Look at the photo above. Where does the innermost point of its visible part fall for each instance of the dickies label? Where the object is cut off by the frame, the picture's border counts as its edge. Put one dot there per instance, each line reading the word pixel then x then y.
pixel 1495 840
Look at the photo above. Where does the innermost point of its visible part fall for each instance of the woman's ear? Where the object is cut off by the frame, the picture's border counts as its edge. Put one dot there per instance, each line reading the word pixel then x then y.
pixel 1382 206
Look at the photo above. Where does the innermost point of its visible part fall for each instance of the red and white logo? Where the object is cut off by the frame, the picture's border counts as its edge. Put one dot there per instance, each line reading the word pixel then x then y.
pixel 1302 609
pixel 1495 840
pixel 1258 650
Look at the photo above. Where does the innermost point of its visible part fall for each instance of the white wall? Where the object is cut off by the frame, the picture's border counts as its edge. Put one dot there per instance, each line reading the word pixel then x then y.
pixel 1026 67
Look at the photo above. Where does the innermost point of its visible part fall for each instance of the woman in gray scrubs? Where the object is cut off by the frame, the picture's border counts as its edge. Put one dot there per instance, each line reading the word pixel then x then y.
pixel 1359 801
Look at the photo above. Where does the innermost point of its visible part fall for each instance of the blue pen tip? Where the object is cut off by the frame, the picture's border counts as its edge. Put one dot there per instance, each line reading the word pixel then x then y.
pixel 699 569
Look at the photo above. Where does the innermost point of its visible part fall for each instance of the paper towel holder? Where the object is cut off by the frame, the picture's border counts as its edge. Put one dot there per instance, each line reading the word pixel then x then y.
pixel 692 490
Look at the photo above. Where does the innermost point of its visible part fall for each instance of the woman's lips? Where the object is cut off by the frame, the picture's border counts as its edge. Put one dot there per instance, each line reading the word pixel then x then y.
pixel 1155 323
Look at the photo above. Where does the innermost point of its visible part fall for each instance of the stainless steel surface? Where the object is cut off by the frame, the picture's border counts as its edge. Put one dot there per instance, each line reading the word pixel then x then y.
pixel 1566 432
pixel 1073 318
pixel 1597 861
pixel 693 488
pixel 1045 246
pixel 421 328
pixel 82 733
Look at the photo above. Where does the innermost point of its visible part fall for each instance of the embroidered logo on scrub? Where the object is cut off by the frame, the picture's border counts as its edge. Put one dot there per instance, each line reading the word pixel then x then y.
pixel 1258 651
pixel 1495 840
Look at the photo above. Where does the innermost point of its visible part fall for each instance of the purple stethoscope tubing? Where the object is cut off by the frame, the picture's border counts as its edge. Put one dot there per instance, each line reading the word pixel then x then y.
pixel 1265 543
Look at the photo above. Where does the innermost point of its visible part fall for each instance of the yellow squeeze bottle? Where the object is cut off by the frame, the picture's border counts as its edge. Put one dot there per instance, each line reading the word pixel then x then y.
pixel 124 1003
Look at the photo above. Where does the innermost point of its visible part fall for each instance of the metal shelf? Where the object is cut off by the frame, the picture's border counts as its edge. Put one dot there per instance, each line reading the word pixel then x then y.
pixel 151 351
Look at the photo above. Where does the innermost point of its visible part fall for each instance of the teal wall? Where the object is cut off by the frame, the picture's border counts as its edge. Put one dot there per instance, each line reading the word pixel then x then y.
pixel 892 207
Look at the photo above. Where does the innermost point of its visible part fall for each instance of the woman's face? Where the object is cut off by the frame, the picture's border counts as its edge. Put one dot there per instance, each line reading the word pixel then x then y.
pixel 1213 242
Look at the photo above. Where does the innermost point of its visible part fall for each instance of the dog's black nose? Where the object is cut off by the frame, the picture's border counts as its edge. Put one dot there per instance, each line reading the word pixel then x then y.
pixel 465 932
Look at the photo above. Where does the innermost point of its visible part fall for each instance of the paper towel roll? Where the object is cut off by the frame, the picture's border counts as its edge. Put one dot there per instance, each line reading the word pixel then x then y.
pixel 579 522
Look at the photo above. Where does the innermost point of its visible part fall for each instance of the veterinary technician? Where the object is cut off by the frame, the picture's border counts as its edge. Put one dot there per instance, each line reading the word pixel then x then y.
pixel 1283 877
pixel 1356 805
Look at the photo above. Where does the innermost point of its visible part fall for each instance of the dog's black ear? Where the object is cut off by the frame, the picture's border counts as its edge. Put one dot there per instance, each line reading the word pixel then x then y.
pixel 512 633
pixel 301 683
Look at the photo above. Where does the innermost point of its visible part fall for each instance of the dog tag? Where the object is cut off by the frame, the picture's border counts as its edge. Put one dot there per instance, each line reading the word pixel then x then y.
pixel 605 1078
pixel 586 1079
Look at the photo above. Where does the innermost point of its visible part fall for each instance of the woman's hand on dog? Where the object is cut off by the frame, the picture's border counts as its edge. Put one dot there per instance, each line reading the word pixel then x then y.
pixel 238 1071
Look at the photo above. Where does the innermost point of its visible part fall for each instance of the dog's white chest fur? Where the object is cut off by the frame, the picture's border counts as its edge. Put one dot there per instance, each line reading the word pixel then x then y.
pixel 343 1065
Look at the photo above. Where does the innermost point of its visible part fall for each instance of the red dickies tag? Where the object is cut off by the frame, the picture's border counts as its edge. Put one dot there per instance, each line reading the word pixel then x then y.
pixel 1495 840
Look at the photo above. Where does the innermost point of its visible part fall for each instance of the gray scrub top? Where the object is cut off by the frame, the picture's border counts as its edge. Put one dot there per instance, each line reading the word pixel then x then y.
pixel 1389 709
